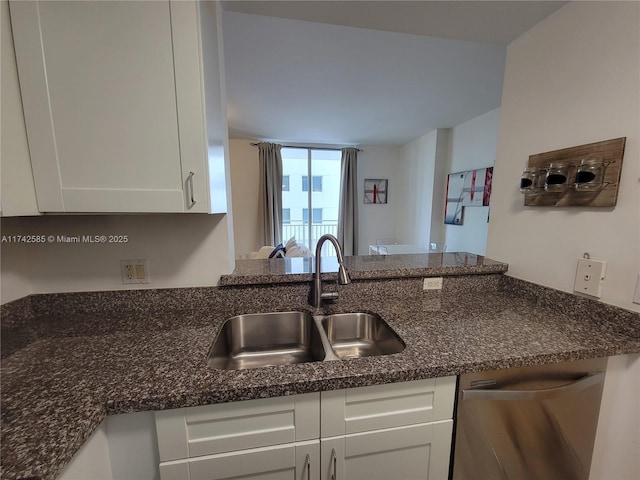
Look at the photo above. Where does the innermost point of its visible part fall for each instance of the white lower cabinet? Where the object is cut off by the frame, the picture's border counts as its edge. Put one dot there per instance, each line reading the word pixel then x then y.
pixel 398 431
pixel 299 461
pixel 404 453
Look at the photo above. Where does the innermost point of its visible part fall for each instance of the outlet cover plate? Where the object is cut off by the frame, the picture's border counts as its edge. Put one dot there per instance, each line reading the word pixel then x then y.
pixel 636 296
pixel 134 271
pixel 590 276
pixel 432 283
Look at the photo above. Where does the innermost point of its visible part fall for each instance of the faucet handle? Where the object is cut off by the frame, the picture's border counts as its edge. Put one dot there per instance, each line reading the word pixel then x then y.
pixel 328 295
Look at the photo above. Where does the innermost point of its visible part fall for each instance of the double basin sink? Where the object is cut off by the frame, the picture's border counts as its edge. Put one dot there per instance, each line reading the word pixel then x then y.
pixel 281 338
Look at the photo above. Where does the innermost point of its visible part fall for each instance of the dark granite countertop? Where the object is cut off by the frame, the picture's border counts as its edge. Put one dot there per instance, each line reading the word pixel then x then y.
pixel 71 359
pixel 291 270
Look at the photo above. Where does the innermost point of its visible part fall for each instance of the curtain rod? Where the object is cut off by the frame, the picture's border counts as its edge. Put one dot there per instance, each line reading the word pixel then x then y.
pixel 311 148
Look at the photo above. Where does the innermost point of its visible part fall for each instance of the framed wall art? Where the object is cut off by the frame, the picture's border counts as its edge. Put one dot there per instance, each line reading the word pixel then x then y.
pixel 471 188
pixel 375 190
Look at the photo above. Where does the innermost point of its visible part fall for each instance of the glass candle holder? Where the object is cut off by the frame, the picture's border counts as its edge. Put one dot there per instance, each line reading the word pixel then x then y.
pixel 590 175
pixel 556 178
pixel 531 180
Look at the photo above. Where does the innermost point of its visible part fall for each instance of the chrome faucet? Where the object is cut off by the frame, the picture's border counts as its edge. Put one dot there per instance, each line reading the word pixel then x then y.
pixel 317 295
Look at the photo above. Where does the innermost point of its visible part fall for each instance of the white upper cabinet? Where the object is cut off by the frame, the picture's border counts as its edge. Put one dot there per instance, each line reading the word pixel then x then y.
pixel 114 102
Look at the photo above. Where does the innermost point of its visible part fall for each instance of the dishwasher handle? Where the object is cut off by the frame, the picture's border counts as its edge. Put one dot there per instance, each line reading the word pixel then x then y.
pixel 545 393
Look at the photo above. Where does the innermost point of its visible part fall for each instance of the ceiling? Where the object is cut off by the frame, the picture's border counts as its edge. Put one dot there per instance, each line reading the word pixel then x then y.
pixel 357 73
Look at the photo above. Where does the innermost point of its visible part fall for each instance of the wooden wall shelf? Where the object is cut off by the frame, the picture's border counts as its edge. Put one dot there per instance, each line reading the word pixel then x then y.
pixel 609 151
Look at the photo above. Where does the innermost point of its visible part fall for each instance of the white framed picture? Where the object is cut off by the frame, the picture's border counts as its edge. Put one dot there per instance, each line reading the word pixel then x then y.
pixel 375 190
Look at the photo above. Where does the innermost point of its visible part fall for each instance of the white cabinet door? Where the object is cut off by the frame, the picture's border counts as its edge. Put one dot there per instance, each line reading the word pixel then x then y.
pixel 283 462
pixel 17 193
pixel 228 427
pixel 362 409
pixel 390 432
pixel 416 452
pixel 114 105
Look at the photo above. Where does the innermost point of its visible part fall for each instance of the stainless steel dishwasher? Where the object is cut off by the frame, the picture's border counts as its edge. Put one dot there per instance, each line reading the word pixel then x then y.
pixel 530 423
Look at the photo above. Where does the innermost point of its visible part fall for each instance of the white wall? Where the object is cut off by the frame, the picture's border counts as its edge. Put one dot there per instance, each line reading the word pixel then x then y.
pixel 182 251
pixel 439 187
pixel 133 446
pixel 123 447
pixel 418 160
pixel 92 460
pixel 570 80
pixel 378 221
pixel 15 281
pixel 423 168
pixel 618 437
pixel 472 145
pixel 245 196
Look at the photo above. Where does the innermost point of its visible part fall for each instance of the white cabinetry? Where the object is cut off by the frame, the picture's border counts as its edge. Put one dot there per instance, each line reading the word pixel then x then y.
pixel 415 452
pixel 399 431
pixel 396 431
pixel 17 191
pixel 273 438
pixel 114 101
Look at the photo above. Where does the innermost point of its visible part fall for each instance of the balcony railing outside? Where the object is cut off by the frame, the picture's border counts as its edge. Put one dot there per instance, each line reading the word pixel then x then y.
pixel 301 232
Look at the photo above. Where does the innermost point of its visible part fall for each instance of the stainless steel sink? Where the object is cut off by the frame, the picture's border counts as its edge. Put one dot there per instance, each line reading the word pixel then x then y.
pixel 281 338
pixel 353 335
pixel 263 339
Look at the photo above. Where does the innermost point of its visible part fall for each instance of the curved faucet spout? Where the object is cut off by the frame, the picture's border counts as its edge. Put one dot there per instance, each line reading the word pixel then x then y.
pixel 343 276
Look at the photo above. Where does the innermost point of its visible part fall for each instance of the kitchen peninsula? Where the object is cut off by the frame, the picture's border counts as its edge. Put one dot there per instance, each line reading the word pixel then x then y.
pixel 69 360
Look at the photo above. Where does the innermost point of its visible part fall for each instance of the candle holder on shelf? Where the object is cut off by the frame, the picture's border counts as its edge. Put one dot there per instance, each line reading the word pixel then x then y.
pixel 556 178
pixel 532 181
pixel 586 175
pixel 590 175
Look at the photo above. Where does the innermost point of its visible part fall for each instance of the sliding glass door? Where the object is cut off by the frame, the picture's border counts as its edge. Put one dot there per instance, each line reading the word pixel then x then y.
pixel 310 195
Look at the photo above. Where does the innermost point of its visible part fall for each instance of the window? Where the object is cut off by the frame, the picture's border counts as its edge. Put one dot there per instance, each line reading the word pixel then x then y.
pixel 316 216
pixel 316 181
pixel 313 189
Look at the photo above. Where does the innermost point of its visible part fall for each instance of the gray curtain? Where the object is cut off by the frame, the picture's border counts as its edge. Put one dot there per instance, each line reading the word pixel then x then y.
pixel 270 192
pixel 348 210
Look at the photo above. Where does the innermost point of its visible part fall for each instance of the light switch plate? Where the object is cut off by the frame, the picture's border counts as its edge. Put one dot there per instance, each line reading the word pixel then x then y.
pixel 590 276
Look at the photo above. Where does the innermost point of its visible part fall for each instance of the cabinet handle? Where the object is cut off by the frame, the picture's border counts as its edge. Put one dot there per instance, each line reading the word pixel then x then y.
pixel 307 462
pixel 192 200
pixel 334 476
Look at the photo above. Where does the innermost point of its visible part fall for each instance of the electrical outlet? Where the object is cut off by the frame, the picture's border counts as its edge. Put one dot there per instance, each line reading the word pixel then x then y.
pixel 134 271
pixel 432 283
pixel 590 277
pixel 636 296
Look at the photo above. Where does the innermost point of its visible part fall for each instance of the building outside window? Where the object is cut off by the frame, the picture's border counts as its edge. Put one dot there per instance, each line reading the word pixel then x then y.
pixel 316 216
pixel 323 168
pixel 316 181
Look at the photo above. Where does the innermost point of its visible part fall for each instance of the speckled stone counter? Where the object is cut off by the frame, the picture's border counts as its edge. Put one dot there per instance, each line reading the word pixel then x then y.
pixel 72 359
pixel 366 267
